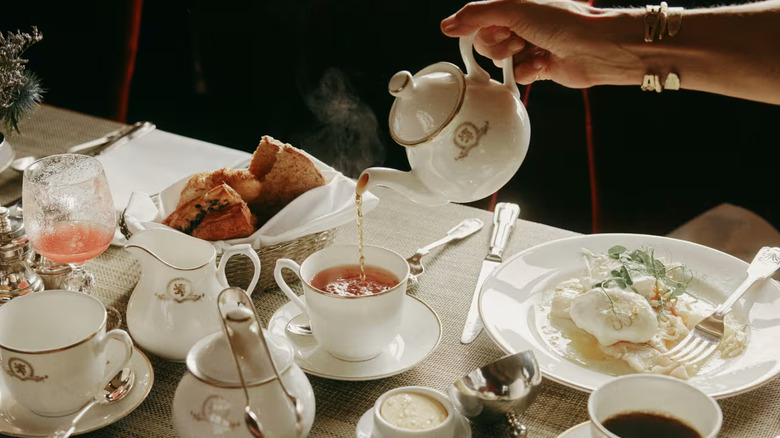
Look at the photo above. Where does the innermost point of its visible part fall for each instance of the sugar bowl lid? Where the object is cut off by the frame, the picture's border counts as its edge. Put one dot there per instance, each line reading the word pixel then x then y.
pixel 210 360
pixel 425 103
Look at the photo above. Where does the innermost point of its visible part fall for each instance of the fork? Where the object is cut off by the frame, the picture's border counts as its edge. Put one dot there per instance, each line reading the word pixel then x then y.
pixel 707 334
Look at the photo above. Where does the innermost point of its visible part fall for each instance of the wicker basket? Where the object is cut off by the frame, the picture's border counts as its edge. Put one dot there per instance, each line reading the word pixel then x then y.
pixel 239 269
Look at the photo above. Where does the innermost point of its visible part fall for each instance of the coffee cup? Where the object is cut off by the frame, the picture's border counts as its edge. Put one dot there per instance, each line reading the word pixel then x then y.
pixel 642 401
pixel 349 327
pixel 414 412
pixel 53 350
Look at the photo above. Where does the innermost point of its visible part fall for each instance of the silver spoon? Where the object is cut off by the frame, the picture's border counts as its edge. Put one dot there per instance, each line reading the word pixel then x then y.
pixel 116 389
pixel 502 388
pixel 466 228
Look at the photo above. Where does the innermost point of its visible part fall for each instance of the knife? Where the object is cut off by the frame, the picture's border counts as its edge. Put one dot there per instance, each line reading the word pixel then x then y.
pixel 504 218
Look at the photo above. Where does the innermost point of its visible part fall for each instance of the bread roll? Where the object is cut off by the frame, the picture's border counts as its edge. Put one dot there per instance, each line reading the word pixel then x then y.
pixel 285 174
pixel 242 181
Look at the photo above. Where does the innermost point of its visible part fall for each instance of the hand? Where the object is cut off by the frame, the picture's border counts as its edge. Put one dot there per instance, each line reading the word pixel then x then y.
pixel 562 40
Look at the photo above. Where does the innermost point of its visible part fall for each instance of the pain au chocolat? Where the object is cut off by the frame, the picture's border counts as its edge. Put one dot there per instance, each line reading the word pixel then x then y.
pixel 229 203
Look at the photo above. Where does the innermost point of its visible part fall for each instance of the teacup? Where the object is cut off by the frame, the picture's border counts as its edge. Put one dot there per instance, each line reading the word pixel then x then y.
pixel 655 395
pixel 52 349
pixel 388 426
pixel 351 328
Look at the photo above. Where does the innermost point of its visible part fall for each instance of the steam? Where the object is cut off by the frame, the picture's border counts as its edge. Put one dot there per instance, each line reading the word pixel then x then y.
pixel 347 132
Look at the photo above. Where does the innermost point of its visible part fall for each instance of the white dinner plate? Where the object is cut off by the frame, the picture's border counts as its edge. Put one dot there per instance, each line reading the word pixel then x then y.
pixel 513 305
pixel 420 334
pixel 17 420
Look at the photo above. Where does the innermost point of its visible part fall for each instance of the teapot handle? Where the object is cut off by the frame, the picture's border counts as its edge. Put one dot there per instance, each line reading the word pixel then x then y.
pixel 477 73
pixel 247 250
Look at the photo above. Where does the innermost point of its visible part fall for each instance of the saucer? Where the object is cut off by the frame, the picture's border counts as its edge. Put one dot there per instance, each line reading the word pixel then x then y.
pixel 581 430
pixel 17 420
pixel 420 334
pixel 365 426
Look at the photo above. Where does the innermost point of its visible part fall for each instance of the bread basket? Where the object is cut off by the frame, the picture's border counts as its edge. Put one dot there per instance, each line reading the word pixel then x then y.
pixel 304 226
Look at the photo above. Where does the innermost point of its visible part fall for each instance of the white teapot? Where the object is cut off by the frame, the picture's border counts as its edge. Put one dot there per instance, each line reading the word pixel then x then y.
pixel 210 400
pixel 465 135
pixel 172 306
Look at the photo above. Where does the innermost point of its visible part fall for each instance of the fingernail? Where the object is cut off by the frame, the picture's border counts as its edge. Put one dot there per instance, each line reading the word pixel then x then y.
pixel 502 34
pixel 516 46
pixel 449 25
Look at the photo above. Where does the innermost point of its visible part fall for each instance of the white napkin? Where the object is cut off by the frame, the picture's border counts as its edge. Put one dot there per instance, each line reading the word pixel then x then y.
pixel 319 209
pixel 149 163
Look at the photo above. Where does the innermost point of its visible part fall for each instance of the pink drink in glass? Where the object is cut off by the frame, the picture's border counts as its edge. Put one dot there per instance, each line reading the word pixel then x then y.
pixel 74 241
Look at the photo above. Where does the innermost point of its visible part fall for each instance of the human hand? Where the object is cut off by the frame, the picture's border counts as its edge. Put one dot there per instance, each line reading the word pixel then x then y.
pixel 562 40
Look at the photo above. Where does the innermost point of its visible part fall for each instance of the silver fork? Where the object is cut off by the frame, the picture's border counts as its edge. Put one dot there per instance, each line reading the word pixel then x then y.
pixel 707 334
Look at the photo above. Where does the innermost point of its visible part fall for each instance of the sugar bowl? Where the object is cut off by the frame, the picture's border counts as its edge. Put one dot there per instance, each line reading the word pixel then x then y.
pixel 242 379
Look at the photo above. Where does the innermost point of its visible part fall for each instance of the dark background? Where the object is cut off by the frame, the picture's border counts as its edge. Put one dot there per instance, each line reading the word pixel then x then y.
pixel 314 73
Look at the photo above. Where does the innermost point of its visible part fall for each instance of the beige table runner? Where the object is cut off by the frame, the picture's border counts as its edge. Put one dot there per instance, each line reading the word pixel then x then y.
pixel 446 286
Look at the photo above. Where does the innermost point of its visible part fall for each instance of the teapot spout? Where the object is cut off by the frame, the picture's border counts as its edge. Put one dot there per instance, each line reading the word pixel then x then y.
pixel 406 183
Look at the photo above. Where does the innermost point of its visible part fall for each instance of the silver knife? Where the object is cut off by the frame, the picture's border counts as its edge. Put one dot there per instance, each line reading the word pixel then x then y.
pixel 504 218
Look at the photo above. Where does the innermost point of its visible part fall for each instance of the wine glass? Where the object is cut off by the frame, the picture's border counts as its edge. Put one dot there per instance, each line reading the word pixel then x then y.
pixel 69 214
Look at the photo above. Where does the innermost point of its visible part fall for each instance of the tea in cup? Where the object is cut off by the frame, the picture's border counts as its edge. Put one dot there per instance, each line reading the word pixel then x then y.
pixel 53 350
pixel 351 318
pixel 414 411
pixel 640 405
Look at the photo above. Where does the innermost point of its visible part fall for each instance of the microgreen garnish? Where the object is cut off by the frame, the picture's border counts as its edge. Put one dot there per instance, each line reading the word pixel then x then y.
pixel 642 262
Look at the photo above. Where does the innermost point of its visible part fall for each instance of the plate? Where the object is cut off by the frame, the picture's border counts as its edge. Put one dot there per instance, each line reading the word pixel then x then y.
pixel 420 334
pixel 365 426
pixel 581 430
pixel 512 307
pixel 16 420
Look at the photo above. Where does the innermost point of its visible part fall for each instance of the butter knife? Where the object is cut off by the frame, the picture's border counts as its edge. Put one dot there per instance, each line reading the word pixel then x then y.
pixel 504 217
pixel 112 140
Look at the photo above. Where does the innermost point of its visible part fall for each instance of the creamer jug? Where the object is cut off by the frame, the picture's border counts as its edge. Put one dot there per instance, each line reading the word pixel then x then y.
pixel 173 305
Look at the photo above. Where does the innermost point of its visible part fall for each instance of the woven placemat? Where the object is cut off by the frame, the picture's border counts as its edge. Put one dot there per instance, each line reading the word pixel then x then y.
pixel 446 285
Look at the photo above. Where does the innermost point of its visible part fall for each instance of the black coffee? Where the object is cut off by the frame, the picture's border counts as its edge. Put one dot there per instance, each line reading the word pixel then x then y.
pixel 648 425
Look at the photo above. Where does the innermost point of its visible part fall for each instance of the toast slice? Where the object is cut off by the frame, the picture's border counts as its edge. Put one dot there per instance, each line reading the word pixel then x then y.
pixel 188 216
pixel 285 174
pixel 242 181
pixel 232 222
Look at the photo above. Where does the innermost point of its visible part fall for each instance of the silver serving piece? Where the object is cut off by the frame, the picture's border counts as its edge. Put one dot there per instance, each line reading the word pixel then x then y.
pixel 16 275
pixel 240 311
pixel 504 218
pixel 503 388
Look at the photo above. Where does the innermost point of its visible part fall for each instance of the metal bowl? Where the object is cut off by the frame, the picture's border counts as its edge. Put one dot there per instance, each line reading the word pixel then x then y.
pixel 506 386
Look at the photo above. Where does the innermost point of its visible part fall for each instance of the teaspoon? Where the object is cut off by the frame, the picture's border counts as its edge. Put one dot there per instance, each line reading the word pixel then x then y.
pixel 116 389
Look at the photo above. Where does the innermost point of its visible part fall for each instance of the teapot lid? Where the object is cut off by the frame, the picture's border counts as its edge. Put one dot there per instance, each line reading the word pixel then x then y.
pixel 13 239
pixel 425 103
pixel 211 361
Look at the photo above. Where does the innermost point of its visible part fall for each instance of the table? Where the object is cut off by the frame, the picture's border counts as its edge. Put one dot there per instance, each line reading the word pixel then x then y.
pixel 446 285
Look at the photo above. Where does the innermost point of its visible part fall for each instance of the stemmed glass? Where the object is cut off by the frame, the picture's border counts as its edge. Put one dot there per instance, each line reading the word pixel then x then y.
pixel 69 214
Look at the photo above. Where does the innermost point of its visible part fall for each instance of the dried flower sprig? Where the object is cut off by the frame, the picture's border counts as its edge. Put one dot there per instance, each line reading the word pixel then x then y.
pixel 20 91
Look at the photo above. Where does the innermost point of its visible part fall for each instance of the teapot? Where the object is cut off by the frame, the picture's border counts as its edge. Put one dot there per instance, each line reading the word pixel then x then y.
pixel 242 366
pixel 172 306
pixel 465 135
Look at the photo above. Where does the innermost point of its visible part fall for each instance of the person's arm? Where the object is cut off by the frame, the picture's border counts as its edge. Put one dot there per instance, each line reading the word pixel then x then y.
pixel 730 50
